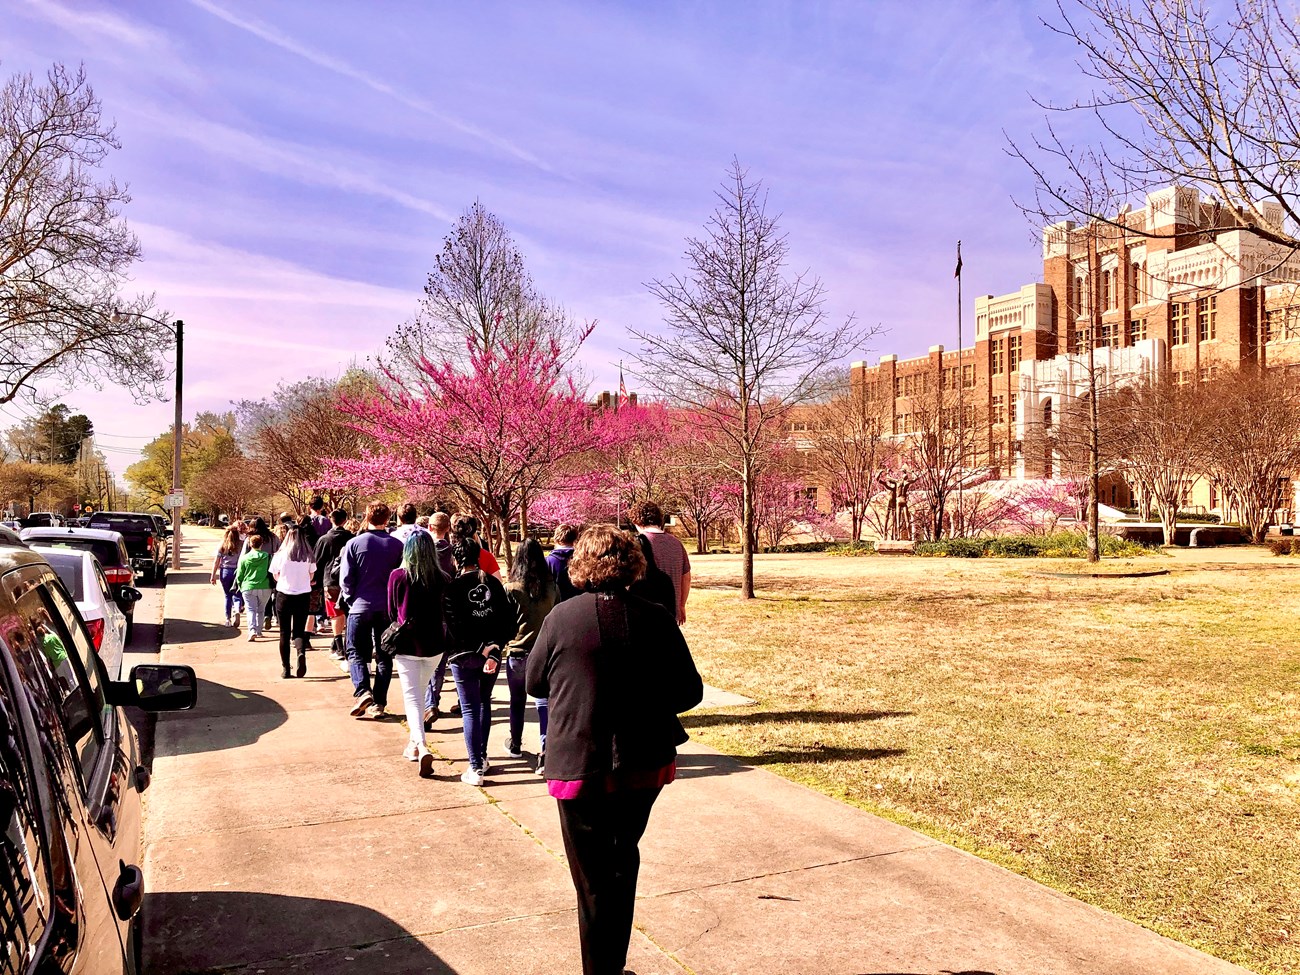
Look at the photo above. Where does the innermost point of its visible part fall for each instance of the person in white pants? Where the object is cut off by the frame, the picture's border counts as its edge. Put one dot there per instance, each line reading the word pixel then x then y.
pixel 415 591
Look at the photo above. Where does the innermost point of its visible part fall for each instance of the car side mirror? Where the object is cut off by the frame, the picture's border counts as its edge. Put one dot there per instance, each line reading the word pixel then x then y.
pixel 131 594
pixel 159 687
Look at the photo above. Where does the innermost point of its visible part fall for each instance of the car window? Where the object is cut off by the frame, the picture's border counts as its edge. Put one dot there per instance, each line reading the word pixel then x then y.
pixel 103 584
pixel 65 657
pixel 108 552
pixel 25 881
pixel 69 571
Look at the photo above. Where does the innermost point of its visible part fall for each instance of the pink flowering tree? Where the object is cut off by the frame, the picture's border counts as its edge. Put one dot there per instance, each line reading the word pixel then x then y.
pixel 500 430
pixel 1037 507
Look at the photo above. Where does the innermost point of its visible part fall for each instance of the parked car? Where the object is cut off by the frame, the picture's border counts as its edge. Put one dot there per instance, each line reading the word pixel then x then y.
pixel 10 536
pixel 83 578
pixel 146 544
pixel 70 782
pixel 164 527
pixel 108 547
pixel 41 519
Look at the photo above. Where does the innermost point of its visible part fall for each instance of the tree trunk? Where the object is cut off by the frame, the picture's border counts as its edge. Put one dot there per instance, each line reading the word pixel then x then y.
pixel 747 529
pixel 701 537
pixel 1168 520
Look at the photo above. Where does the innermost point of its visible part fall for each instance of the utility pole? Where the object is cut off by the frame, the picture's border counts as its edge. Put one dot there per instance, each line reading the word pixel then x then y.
pixel 176 445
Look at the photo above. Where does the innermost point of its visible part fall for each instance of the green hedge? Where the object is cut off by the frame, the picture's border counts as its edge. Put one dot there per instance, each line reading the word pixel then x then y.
pixel 1067 545
pixel 1186 517
pixel 797 547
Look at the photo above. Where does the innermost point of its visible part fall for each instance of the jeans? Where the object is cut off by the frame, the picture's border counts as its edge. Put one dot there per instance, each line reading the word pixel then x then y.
pixel 474 688
pixel 516 671
pixel 414 673
pixel 256 600
pixel 231 590
pixel 364 630
pixel 433 695
pixel 292 610
pixel 601 837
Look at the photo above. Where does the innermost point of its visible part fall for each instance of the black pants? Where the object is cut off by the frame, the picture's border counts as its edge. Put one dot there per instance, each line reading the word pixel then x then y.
pixel 601 834
pixel 292 611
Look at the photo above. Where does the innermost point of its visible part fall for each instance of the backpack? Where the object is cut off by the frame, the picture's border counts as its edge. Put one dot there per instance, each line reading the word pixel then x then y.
pixel 332 573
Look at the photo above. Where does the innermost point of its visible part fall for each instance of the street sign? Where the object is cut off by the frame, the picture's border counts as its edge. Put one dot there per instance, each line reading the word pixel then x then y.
pixel 175 500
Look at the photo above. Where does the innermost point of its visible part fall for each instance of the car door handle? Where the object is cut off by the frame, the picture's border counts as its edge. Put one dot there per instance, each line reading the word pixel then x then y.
pixel 128 892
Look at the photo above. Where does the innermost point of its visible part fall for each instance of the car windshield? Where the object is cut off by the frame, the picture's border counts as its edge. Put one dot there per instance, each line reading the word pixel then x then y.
pixel 106 551
pixel 69 571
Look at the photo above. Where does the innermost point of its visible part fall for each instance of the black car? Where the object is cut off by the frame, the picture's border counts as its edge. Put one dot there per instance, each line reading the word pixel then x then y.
pixel 109 548
pixel 70 782
pixel 145 541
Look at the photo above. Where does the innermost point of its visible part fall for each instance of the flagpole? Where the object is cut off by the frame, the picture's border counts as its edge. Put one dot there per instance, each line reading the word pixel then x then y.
pixel 961 407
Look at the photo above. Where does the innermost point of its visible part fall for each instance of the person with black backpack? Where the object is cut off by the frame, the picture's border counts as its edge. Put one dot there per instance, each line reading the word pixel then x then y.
pixel 329 548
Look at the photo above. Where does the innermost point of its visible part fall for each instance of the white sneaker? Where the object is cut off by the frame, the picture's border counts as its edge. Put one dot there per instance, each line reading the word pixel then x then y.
pixel 412 752
pixel 471 777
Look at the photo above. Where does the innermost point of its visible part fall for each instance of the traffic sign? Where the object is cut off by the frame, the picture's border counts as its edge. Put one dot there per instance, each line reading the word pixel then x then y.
pixel 175 500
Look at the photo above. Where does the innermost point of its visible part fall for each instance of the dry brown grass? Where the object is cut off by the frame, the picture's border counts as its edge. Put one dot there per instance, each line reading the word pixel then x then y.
pixel 1132 742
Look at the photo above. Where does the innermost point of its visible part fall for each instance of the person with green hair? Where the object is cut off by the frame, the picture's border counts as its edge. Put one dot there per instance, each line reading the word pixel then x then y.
pixel 415 603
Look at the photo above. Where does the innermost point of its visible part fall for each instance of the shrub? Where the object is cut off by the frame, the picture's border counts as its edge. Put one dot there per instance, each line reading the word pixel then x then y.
pixel 797 547
pixel 850 549
pixel 1067 545
pixel 1281 546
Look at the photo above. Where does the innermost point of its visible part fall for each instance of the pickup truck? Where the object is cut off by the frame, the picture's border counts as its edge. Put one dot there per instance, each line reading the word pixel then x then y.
pixel 145 542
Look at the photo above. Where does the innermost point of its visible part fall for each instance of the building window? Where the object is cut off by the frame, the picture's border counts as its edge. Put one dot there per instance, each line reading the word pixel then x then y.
pixel 1047 415
pixel 1180 324
pixel 1136 271
pixel 1080 298
pixel 1205 316
pixel 898 386
pixel 996 406
pixel 1109 335
pixel 1105 289
pixel 968 376
pixel 997 357
pixel 1013 410
pixel 999 453
pixel 1137 331
pixel 1181 377
pixel 1208 374
pixel 1013 353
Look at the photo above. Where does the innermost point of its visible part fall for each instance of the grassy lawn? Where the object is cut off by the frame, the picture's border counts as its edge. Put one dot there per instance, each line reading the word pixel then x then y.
pixel 1132 742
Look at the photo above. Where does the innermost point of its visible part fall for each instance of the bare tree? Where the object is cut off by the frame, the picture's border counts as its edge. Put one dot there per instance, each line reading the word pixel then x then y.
pixel 743 341
pixel 480 293
pixel 289 435
pixel 1183 93
pixel 943 453
pixel 232 486
pixel 65 251
pixel 1250 445
pixel 850 447
pixel 1160 427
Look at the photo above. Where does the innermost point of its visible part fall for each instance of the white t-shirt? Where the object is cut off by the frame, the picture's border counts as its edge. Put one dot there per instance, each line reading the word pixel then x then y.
pixel 291 578
pixel 403 532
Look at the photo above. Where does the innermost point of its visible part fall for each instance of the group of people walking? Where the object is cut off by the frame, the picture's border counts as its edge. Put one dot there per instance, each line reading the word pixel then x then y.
pixel 591 631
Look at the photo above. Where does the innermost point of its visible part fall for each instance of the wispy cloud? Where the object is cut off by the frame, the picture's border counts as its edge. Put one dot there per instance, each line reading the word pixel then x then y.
pixel 340 67
pixel 99 24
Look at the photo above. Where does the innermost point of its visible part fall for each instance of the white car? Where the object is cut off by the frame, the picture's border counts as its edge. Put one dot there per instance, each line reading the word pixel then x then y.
pixel 83 577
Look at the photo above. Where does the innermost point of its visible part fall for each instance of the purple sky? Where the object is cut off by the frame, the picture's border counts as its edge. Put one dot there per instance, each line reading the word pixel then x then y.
pixel 295 165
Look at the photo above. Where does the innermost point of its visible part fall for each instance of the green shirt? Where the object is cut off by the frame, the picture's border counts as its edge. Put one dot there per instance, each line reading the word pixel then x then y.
pixel 254 571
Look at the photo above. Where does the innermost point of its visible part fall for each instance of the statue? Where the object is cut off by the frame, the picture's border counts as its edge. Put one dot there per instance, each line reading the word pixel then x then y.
pixel 898 516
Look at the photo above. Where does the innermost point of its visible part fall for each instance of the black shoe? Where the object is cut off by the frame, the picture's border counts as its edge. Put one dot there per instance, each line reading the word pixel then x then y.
pixel 455 710
pixel 302 664
pixel 285 673
pixel 430 716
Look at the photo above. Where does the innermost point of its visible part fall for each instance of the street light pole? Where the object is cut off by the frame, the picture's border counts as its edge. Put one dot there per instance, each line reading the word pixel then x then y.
pixel 176 445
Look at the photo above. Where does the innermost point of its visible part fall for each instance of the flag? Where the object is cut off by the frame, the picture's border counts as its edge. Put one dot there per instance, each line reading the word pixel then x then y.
pixel 622 387
pixel 957 273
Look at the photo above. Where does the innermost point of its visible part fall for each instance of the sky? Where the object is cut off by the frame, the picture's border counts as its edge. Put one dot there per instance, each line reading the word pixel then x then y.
pixel 295 164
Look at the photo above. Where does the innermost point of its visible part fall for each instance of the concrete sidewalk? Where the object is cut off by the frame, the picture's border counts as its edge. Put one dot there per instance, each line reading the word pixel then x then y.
pixel 284 835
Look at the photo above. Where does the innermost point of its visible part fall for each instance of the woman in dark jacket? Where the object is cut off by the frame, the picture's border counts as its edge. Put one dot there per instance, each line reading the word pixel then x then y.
pixel 617 672
pixel 415 591
pixel 531 591
pixel 479 621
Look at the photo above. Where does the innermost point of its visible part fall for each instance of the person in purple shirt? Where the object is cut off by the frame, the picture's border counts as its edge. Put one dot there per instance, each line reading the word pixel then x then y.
pixel 366 564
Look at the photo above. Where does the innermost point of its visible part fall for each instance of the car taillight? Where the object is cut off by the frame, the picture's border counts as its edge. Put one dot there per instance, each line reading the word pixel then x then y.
pixel 96 628
pixel 119 575
pixel 149 543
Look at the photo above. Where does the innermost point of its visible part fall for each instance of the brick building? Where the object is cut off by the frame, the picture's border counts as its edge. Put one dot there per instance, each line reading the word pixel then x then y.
pixel 1174 287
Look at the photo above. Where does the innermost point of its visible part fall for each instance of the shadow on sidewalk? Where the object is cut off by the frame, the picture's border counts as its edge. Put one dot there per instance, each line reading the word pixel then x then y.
pixel 199 931
pixel 800 717
pixel 191 732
